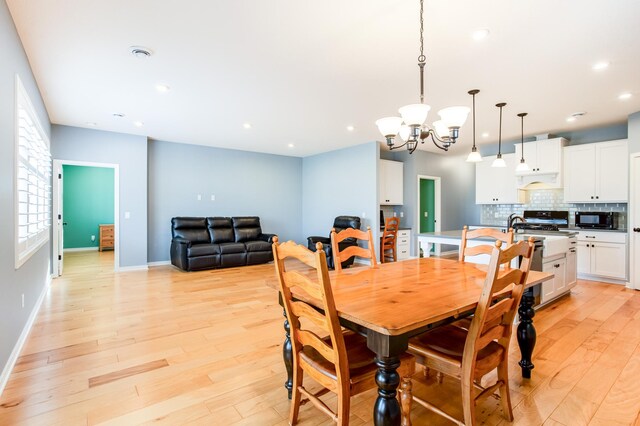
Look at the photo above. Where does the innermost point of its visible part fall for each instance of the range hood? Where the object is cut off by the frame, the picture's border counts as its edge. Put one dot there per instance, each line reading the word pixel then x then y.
pixel 544 156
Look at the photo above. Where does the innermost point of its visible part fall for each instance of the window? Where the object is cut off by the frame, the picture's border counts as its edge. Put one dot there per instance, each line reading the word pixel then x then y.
pixel 33 180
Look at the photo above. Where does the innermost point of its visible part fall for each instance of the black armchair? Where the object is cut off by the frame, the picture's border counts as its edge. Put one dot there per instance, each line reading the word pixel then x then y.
pixel 340 223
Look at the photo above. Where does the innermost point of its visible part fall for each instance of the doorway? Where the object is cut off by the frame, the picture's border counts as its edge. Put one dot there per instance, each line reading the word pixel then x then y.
pixel 428 219
pixel 92 199
pixel 634 221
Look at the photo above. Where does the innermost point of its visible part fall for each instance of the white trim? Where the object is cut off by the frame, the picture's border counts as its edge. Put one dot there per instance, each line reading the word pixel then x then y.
pixel 634 204
pixel 17 349
pixel 438 201
pixel 133 268
pixel 67 250
pixel 159 263
pixel 57 165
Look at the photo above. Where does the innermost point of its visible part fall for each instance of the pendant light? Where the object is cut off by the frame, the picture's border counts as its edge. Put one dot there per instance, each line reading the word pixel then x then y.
pixel 411 127
pixel 499 161
pixel 474 155
pixel 522 166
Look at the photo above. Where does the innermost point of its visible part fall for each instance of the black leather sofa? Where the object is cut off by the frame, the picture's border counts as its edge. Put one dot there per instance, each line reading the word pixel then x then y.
pixel 340 223
pixel 218 242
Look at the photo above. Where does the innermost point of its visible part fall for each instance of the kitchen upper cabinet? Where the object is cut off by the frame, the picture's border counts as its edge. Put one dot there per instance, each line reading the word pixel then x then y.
pixel 544 158
pixel 391 182
pixel 596 173
pixel 497 185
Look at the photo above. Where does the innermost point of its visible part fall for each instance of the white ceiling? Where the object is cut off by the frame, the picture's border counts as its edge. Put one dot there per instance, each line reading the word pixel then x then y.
pixel 300 72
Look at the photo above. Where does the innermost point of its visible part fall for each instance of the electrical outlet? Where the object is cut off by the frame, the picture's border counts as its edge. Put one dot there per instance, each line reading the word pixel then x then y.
pixel 23 300
pixel 364 214
pixel 426 214
pixel 199 197
pixel 213 197
pixel 401 214
pixel 495 215
pixel 394 214
pixel 93 238
pixel 127 215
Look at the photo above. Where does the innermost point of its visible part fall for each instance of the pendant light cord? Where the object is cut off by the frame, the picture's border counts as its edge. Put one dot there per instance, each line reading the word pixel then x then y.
pixel 500 105
pixel 474 122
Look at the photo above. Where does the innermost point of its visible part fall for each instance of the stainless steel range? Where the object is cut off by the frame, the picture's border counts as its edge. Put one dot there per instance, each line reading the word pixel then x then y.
pixel 556 253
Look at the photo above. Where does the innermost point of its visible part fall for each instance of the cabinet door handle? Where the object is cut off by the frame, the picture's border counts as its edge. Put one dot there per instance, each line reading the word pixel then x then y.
pixel 588 236
pixel 597 197
pixel 572 250
pixel 592 197
pixel 636 229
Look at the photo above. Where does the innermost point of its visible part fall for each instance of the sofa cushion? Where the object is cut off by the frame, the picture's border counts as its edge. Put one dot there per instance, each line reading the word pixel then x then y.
pixel 193 229
pixel 203 250
pixel 227 248
pixel 246 228
pixel 221 230
pixel 257 246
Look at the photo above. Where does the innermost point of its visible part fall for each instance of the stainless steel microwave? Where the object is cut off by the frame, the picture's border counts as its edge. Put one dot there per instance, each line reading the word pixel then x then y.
pixel 598 220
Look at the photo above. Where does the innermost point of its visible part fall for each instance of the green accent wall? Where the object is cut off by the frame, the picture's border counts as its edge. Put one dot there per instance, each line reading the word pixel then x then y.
pixel 87 201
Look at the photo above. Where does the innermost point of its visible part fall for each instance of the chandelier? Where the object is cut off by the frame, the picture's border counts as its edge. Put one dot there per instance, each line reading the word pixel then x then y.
pixel 411 127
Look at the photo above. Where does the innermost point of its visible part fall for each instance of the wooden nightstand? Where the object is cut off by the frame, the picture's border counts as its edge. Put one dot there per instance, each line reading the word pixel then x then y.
pixel 106 237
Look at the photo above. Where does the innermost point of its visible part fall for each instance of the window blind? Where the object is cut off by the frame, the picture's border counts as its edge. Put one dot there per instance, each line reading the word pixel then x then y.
pixel 33 181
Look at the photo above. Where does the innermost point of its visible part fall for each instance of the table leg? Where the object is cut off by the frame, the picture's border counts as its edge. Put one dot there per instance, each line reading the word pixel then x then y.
pixel 287 355
pixel 526 332
pixel 386 410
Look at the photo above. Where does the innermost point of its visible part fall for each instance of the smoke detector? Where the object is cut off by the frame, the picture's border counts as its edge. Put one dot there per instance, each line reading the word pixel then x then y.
pixel 140 52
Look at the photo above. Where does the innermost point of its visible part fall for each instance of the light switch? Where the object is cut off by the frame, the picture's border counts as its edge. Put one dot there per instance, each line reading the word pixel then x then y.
pixel 364 214
pixel 401 214
pixel 199 197
pixel 426 214
pixel 127 215
pixel 394 214
pixel 213 197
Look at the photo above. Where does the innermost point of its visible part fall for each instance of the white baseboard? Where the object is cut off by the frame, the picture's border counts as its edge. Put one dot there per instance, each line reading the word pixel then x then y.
pixel 80 249
pixel 159 263
pixel 15 353
pixel 589 277
pixel 133 268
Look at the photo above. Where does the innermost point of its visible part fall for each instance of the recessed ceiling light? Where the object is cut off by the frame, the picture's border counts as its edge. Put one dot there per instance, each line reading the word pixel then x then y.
pixel 480 34
pixel 247 125
pixel 291 145
pixel 91 123
pixel 570 119
pixel 485 135
pixel 138 123
pixel 118 114
pixel 140 52
pixel 624 96
pixel 162 88
pixel 601 66
pixel 350 128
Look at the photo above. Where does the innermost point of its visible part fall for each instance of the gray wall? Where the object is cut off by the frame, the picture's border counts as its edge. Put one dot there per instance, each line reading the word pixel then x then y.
pixel 244 184
pixel 30 279
pixel 341 182
pixel 634 132
pixel 130 153
pixel 458 182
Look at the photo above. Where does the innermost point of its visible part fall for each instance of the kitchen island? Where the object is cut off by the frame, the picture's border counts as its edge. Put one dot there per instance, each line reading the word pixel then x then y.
pixel 555 252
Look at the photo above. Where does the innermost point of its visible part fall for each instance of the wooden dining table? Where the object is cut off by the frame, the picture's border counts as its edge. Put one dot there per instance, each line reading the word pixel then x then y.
pixel 395 301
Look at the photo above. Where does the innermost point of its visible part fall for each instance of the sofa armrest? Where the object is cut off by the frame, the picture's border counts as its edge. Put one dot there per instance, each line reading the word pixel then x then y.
pixel 267 237
pixel 179 240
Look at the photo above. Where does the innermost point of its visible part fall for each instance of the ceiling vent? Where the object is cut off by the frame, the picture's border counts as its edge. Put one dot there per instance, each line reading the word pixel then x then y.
pixel 140 52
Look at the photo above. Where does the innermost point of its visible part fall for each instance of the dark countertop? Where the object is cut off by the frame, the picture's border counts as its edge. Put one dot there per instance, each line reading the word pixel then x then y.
pixel 400 228
pixel 570 229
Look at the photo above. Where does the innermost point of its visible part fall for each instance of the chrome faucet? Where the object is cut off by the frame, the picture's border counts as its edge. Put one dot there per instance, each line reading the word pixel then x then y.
pixel 513 217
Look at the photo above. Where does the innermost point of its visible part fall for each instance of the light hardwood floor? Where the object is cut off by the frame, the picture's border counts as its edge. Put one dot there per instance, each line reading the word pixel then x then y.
pixel 167 347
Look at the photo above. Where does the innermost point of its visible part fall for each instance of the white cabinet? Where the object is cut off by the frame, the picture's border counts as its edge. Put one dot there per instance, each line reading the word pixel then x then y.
pixel 497 185
pixel 403 244
pixel 391 182
pixel 596 173
pixel 553 288
pixel 571 276
pixel 602 255
pixel 544 158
